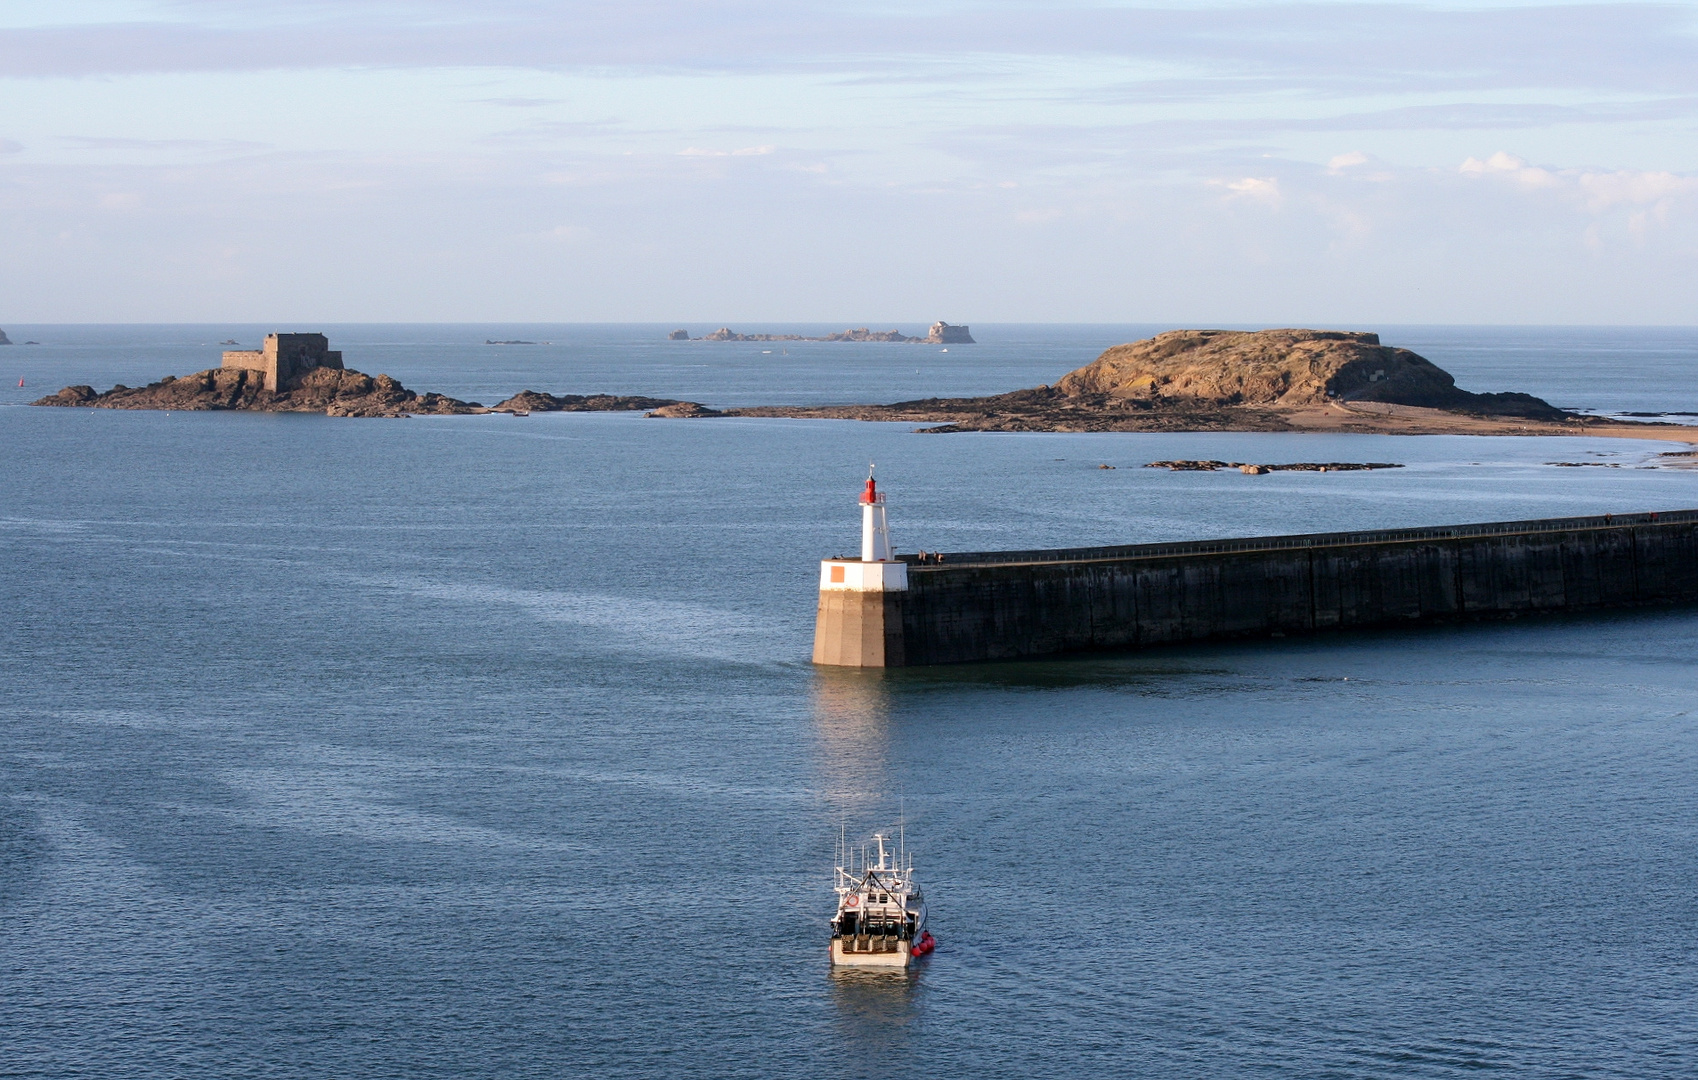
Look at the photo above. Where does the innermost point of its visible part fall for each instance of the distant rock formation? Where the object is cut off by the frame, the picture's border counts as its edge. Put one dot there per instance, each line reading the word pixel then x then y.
pixel 725 333
pixel 4 340
pixel 941 333
pixel 332 391
pixel 864 334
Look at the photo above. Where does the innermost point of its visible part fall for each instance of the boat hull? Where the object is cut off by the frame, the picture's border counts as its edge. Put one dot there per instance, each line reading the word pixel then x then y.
pixel 900 957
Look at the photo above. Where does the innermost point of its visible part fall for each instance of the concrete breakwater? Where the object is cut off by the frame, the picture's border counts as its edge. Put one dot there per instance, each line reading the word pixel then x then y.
pixel 995 605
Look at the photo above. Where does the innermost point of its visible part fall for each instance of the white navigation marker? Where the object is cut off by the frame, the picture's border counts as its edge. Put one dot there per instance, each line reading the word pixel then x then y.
pixel 875 527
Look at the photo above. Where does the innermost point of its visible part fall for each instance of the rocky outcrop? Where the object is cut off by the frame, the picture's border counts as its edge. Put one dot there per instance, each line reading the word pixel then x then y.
pixel 944 334
pixel 678 335
pixel 1281 369
pixel 864 334
pixel 683 410
pixel 725 333
pixel 4 340
pixel 528 401
pixel 332 391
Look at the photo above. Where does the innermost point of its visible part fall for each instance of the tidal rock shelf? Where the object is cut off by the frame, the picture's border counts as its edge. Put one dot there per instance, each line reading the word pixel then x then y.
pixel 1256 470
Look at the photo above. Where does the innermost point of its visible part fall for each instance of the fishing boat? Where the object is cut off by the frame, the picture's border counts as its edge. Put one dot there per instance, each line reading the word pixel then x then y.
pixel 881 913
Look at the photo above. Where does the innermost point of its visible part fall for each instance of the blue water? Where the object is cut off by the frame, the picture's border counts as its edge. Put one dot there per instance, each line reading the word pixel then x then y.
pixel 485 746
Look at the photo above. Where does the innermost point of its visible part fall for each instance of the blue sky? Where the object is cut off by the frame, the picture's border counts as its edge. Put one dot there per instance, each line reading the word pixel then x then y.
pixel 1278 163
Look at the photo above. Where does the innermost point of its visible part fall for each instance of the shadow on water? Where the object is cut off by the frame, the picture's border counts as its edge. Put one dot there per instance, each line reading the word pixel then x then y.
pixel 1124 670
pixel 1164 669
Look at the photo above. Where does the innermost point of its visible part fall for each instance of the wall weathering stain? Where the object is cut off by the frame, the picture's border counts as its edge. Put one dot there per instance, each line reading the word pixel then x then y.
pixel 1000 605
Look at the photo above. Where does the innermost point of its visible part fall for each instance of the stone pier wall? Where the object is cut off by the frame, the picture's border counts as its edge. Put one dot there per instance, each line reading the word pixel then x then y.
pixel 1002 605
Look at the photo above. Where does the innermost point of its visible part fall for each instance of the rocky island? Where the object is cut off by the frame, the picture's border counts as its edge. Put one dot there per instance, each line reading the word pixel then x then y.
pixel 291 373
pixel 1265 380
pixel 332 391
pixel 300 373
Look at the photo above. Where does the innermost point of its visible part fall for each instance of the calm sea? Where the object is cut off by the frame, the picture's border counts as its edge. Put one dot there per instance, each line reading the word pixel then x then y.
pixel 489 746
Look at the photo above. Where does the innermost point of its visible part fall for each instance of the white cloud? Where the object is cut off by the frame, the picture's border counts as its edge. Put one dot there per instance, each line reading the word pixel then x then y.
pixel 1508 165
pixel 1625 186
pixel 1345 161
pixel 1262 189
pixel 1653 191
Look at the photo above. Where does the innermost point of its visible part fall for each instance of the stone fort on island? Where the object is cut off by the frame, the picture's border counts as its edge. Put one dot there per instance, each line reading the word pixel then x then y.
pixel 285 356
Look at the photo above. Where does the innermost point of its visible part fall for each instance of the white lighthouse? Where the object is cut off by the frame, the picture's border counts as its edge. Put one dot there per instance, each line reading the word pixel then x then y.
pixel 860 611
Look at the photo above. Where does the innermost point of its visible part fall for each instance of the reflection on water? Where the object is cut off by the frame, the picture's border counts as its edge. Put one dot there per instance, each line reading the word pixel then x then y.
pixel 852 708
pixel 876 1009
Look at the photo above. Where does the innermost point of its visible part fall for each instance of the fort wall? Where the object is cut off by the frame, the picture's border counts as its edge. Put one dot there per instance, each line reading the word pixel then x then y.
pixel 284 357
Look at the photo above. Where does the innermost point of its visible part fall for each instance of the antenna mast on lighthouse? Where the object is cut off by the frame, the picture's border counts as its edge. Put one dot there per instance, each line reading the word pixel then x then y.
pixel 875 527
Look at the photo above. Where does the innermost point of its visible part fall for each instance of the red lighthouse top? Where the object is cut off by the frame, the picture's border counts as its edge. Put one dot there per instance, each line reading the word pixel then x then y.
pixel 869 496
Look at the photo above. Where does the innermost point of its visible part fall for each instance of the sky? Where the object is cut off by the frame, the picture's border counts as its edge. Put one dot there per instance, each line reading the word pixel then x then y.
pixel 744 161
